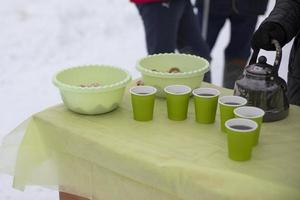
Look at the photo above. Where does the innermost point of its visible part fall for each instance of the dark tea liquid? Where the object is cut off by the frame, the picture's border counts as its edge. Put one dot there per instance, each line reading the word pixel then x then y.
pixel 205 94
pixel 142 93
pixel 232 103
pixel 241 127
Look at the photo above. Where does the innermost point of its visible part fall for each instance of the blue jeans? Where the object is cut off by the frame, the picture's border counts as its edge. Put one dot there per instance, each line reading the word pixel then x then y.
pixel 173 25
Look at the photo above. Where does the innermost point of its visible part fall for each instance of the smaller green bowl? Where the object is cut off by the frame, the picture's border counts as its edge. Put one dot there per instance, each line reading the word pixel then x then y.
pixel 92 89
pixel 154 70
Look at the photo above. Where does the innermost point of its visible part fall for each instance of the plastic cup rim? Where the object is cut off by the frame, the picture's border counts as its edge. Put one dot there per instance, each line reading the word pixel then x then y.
pixel 214 95
pixel 249 121
pixel 144 86
pixel 232 96
pixel 249 107
pixel 189 90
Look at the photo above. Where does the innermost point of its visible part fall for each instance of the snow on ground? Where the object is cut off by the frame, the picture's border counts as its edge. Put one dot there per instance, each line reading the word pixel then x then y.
pixel 38 38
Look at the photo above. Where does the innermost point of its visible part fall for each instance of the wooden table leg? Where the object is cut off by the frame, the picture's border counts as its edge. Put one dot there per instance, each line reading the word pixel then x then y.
pixel 67 196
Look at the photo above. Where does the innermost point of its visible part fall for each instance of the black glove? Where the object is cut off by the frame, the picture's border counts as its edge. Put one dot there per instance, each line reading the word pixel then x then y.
pixel 265 33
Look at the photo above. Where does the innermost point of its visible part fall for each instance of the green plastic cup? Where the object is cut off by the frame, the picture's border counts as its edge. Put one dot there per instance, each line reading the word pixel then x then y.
pixel 206 102
pixel 142 100
pixel 177 101
pixel 240 134
pixel 253 113
pixel 227 105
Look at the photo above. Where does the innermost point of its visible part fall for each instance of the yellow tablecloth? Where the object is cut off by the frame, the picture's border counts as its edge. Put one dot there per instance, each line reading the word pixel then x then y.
pixel 112 156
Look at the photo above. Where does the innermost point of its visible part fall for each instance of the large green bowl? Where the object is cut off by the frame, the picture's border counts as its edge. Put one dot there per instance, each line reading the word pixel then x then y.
pixel 154 70
pixel 78 94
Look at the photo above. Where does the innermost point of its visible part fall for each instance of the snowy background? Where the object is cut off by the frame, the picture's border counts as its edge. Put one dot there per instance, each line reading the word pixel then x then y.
pixel 38 38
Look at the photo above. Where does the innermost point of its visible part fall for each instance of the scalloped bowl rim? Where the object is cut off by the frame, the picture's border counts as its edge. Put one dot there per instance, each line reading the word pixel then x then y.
pixel 173 75
pixel 102 88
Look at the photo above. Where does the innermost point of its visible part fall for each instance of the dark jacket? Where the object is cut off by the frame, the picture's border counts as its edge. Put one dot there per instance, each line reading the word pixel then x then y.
pixel 242 7
pixel 287 14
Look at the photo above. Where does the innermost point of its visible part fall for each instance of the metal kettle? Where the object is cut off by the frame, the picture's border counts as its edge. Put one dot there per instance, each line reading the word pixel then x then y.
pixel 261 85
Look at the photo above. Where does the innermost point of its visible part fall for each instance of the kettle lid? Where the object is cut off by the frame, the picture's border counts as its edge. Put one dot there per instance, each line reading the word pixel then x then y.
pixel 261 67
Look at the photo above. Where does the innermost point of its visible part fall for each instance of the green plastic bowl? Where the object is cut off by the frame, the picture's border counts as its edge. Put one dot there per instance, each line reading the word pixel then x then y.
pixel 78 94
pixel 154 70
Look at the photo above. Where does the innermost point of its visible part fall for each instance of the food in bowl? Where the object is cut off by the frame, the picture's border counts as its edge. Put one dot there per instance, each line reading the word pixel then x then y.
pixel 94 98
pixel 139 82
pixel 192 70
pixel 174 70
pixel 90 85
pixel 171 70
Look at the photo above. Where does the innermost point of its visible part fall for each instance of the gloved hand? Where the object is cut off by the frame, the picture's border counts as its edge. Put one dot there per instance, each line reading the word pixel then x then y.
pixel 265 33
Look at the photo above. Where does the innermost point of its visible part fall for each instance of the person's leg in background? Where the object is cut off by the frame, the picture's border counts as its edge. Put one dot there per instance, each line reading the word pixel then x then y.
pixel 238 50
pixel 189 38
pixel 214 25
pixel 161 25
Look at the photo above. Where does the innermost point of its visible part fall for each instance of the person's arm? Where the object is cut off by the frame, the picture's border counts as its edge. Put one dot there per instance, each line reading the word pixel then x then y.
pixel 282 24
pixel 287 14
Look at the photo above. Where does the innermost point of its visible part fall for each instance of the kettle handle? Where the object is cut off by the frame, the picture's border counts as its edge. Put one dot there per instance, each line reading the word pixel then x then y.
pixel 277 58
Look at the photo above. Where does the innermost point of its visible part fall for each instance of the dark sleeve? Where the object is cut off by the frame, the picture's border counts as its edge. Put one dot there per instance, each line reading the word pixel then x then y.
pixel 287 14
